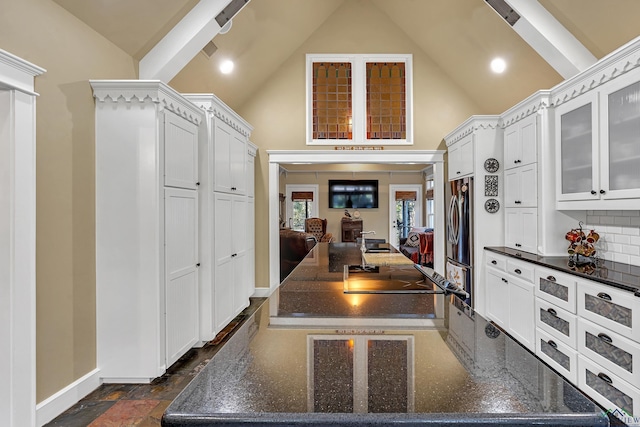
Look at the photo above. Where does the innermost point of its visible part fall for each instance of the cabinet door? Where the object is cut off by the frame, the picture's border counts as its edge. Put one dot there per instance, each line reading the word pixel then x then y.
pixel 528 140
pixel 223 261
pixel 620 139
pixel 512 146
pixel 521 312
pixel 460 157
pixel 512 188
pixel 497 288
pixel 181 283
pixel 180 152
pixel 222 142
pixel 521 186
pixel 238 163
pixel 251 186
pixel 521 229
pixel 577 149
pixel 238 235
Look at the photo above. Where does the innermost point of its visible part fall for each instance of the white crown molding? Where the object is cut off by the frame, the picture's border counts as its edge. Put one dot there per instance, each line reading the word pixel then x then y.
pixel 146 91
pixel 218 109
pixel 531 105
pixel 617 63
pixel 17 73
pixel 471 125
pixel 252 149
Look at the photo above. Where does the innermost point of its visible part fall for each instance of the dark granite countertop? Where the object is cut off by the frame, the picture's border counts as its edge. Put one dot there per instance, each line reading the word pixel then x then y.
pixel 465 373
pixel 622 276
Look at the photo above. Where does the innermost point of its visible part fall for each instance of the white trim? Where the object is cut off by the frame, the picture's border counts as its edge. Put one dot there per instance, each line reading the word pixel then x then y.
pixel 18 250
pixel 353 322
pixel 59 402
pixel 276 157
pixel 420 208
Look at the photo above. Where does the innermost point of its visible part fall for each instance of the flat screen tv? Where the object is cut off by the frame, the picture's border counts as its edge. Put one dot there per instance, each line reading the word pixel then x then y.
pixel 356 194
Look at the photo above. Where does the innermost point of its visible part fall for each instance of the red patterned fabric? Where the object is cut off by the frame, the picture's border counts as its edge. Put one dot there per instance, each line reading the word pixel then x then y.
pixel 425 254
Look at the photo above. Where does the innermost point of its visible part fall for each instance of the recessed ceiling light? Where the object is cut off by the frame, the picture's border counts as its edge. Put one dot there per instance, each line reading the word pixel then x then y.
pixel 226 67
pixel 498 65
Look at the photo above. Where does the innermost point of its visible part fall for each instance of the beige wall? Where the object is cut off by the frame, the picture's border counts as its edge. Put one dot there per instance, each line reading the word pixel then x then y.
pixel 43 33
pixel 277 111
pixel 373 219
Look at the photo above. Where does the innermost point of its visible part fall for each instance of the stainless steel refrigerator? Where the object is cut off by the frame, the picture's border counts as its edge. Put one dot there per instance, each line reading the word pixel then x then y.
pixel 460 236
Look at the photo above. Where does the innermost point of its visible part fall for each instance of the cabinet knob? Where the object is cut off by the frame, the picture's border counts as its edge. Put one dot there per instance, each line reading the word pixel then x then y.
pixel 552 312
pixel 604 296
pixel 602 191
pixel 552 344
pixel 494 262
pixel 234 255
pixel 551 278
pixel 505 280
pixel 605 338
pixel 518 271
pixel 458 172
pixel 197 183
pixel 233 188
pixel 517 202
pixel 198 265
pixel 605 378
pixel 518 245
pixel 594 192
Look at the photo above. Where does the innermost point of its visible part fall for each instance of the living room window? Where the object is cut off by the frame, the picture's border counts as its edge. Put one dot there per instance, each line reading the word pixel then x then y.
pixel 302 203
pixel 359 99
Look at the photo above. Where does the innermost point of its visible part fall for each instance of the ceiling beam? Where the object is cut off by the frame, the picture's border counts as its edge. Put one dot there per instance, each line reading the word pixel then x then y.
pixel 183 42
pixel 550 38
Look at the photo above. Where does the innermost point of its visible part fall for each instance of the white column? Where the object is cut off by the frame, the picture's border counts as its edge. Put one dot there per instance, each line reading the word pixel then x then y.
pixel 17 241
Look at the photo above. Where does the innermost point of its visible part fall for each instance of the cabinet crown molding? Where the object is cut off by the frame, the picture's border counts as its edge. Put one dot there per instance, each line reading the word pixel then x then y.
pixel 218 109
pixel 153 91
pixel 617 63
pixel 471 125
pixel 535 103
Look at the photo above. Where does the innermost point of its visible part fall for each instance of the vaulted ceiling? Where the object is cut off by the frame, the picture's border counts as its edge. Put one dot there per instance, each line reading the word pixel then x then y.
pixel 461 36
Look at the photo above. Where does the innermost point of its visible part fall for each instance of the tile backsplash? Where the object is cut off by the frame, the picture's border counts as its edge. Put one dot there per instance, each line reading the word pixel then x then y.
pixel 619 235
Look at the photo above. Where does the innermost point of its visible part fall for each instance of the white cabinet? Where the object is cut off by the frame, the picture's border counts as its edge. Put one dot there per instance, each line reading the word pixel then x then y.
pixel 146 228
pixel 521 187
pixel 226 217
pixel 497 289
pixel 230 251
pixel 461 158
pixel 598 146
pixel 521 229
pixel 520 142
pixel 509 297
pixel 230 157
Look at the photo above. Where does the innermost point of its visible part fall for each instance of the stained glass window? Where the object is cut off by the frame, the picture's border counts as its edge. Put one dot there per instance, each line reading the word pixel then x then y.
pixel 386 100
pixel 332 113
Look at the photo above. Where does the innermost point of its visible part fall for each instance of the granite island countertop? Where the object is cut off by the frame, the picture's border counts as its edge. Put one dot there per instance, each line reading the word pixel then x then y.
pixel 465 373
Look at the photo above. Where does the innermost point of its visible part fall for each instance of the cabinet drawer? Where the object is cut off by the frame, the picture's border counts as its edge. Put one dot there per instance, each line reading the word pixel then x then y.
pixel 557 322
pixel 558 355
pixel 556 287
pixel 523 270
pixel 612 308
pixel 607 389
pixel 496 261
pixel 618 354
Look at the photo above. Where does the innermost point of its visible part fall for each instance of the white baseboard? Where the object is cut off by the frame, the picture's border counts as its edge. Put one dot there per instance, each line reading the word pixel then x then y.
pixel 263 292
pixel 59 402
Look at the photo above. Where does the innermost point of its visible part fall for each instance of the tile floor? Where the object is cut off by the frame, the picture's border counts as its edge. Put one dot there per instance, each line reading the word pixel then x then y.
pixel 143 404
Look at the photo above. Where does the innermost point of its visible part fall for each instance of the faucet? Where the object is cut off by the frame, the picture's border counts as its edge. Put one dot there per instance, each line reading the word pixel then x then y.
pixel 363 248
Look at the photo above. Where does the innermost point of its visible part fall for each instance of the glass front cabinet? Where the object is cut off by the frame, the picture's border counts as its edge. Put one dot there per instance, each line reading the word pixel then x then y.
pixel 598 147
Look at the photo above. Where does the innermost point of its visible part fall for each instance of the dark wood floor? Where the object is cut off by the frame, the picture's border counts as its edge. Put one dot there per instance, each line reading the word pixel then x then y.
pixel 143 404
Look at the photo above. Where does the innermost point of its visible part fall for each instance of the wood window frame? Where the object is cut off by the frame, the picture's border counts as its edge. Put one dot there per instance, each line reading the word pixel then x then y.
pixel 359 98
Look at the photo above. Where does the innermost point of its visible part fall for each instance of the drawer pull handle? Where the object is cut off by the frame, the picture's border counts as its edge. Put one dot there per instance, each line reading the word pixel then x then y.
pixel 605 338
pixel 594 192
pixel 552 312
pixel 552 344
pixel 517 270
pixel 605 378
pixel 518 245
pixel 604 296
pixel 551 278
pixel 505 280
pixel 494 262
pixel 517 202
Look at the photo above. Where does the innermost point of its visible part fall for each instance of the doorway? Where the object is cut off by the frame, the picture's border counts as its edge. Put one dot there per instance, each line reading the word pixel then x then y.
pixel 391 157
pixel 405 211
